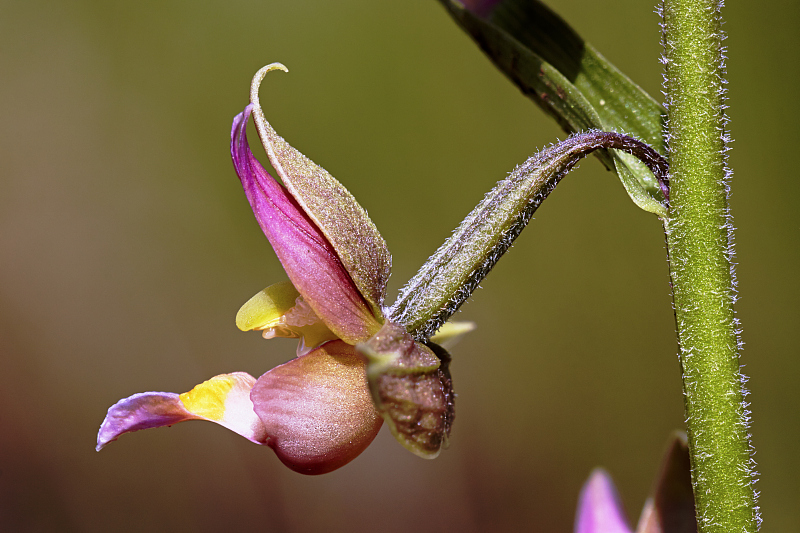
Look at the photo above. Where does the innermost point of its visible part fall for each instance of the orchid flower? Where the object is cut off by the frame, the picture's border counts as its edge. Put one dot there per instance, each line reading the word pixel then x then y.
pixel 358 362
pixel 670 510
pixel 354 368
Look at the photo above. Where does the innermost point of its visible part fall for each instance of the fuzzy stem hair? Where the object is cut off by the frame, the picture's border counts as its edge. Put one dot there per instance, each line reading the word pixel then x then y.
pixel 700 244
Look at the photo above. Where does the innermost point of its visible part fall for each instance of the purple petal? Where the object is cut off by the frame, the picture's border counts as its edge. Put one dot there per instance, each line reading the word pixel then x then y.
pixel 317 409
pixel 141 411
pixel 224 399
pixel 308 258
pixel 599 508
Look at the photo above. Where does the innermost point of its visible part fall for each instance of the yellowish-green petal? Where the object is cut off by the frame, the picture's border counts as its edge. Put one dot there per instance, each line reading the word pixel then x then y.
pixel 267 307
pixel 280 311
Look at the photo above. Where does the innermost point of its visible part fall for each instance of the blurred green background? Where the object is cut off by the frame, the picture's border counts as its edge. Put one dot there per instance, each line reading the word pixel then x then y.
pixel 127 246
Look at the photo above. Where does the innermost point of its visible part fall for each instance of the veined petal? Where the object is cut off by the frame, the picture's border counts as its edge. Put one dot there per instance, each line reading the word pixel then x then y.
pixel 317 410
pixel 330 205
pixel 412 389
pixel 224 399
pixel 280 311
pixel 599 508
pixel 308 258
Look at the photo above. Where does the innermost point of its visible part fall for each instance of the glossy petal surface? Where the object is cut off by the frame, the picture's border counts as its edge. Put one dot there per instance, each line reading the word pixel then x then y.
pixel 308 258
pixel 330 205
pixel 224 399
pixel 317 410
pixel 599 508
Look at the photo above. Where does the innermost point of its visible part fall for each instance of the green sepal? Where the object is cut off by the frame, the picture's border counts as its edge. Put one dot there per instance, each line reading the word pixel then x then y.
pixel 412 389
pixel 572 82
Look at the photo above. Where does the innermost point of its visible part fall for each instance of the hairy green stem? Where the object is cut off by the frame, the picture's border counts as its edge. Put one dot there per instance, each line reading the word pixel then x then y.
pixel 699 239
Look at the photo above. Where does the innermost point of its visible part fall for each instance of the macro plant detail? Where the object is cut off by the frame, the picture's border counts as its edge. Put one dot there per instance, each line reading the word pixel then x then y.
pixel 316 411
pixel 358 362
pixel 361 362
pixel 571 81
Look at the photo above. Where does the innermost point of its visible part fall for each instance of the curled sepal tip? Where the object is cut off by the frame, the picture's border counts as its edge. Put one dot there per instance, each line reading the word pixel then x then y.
pixel 309 259
pixel 259 77
pixel 412 389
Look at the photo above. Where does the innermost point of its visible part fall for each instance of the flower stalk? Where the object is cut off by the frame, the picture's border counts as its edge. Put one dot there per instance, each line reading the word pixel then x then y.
pixel 454 271
pixel 699 239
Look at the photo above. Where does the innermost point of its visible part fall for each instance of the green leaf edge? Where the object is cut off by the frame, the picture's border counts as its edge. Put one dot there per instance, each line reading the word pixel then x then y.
pixel 565 102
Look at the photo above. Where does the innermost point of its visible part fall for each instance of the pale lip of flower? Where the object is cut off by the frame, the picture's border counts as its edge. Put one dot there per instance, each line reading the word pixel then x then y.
pixel 315 411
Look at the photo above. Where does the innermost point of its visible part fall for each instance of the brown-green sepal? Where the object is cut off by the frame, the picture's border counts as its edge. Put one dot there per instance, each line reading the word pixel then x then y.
pixel 412 389
pixel 358 243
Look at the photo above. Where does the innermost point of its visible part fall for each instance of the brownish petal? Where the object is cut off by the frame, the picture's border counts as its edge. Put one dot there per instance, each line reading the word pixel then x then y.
pixel 671 508
pixel 317 410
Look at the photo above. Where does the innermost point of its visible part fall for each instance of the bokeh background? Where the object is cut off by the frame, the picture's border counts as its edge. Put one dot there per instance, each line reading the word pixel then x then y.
pixel 127 246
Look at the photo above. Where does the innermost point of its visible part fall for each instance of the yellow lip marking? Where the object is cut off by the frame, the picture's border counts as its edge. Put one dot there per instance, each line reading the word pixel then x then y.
pixel 208 399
